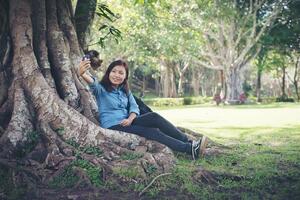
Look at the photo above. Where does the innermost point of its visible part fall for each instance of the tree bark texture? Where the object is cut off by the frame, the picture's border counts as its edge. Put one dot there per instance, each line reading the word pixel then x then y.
pixel 196 81
pixel 232 42
pixel 168 79
pixel 84 14
pixel 4 50
pixel 181 72
pixel 258 86
pixel 47 100
pixel 296 77
pixel 234 82
pixel 283 93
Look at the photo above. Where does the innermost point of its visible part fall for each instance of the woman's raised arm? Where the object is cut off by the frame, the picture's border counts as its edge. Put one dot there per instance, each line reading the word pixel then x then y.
pixel 83 67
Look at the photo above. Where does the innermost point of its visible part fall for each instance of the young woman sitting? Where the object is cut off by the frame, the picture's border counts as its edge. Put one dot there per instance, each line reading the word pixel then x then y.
pixel 118 110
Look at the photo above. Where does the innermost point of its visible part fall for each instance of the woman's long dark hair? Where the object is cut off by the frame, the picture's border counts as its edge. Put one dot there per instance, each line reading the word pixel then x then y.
pixel 105 82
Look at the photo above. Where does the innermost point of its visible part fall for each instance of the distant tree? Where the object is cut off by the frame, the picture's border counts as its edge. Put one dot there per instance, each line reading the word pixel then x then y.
pixel 232 31
pixel 284 37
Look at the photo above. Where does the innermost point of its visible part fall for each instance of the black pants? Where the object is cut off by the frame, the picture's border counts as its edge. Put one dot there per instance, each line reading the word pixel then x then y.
pixel 154 127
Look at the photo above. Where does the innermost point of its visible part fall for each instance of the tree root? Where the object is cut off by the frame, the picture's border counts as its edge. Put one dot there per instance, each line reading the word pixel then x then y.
pixel 13 164
pixel 5 114
pixel 19 126
pixel 144 190
pixel 83 177
pixel 202 175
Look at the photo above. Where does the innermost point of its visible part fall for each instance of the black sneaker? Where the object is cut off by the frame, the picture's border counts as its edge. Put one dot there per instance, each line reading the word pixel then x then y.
pixel 195 149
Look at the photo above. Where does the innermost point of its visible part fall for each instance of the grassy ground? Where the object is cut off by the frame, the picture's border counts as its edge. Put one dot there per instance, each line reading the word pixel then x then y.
pixel 263 161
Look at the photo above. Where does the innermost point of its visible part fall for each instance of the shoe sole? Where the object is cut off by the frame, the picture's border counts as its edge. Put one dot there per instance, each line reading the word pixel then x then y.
pixel 203 145
pixel 193 155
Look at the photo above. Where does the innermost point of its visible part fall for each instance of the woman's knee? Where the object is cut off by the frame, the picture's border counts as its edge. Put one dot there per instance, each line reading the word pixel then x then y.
pixel 148 119
pixel 154 115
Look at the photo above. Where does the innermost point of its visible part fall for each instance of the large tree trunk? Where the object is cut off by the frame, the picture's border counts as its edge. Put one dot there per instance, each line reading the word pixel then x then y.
pixel 234 83
pixel 4 50
pixel 47 117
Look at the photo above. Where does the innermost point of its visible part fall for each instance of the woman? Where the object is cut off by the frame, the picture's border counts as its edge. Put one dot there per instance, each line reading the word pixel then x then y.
pixel 118 110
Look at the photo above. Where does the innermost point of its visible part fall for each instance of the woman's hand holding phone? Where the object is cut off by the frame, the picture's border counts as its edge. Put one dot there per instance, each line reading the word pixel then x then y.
pixel 83 67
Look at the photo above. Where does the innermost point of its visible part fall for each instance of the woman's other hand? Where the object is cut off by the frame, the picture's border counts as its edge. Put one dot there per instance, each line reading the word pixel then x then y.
pixel 126 122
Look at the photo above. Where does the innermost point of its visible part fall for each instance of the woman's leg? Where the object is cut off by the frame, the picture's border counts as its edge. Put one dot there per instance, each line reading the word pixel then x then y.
pixel 157 135
pixel 154 120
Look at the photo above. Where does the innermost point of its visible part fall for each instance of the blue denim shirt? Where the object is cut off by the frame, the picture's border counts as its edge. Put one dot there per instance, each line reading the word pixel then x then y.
pixel 113 106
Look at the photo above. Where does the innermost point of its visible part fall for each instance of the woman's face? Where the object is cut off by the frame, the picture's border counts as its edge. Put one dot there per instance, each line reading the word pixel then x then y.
pixel 117 75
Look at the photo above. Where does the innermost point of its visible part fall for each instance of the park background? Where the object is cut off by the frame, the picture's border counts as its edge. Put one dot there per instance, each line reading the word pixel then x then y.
pixel 225 69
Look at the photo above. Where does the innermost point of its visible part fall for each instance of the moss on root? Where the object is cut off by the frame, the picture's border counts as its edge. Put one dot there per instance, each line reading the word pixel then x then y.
pixel 68 178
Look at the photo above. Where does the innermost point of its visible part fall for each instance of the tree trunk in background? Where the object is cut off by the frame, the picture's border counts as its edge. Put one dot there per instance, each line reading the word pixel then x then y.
pixel 196 81
pixel 223 85
pixel 144 86
pixel 164 80
pixel 258 86
pixel 181 73
pixel 158 87
pixel 172 72
pixel 168 79
pixel 234 84
pixel 296 77
pixel 283 93
pixel 48 118
pixel 84 15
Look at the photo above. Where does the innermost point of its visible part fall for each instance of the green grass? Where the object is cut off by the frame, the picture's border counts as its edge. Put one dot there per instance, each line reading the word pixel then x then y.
pixel 221 106
pixel 129 172
pixel 263 161
pixel 88 149
pixel 267 166
pixel 69 178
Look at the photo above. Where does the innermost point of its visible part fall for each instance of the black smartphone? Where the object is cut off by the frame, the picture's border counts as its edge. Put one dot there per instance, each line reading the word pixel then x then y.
pixel 86 57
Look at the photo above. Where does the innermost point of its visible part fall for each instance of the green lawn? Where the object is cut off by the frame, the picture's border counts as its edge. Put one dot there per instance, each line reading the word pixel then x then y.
pixel 263 161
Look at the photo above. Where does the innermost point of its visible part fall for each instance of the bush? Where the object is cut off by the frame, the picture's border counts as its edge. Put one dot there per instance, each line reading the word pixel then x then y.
pixel 159 102
pixel 268 99
pixel 187 100
pixel 284 99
